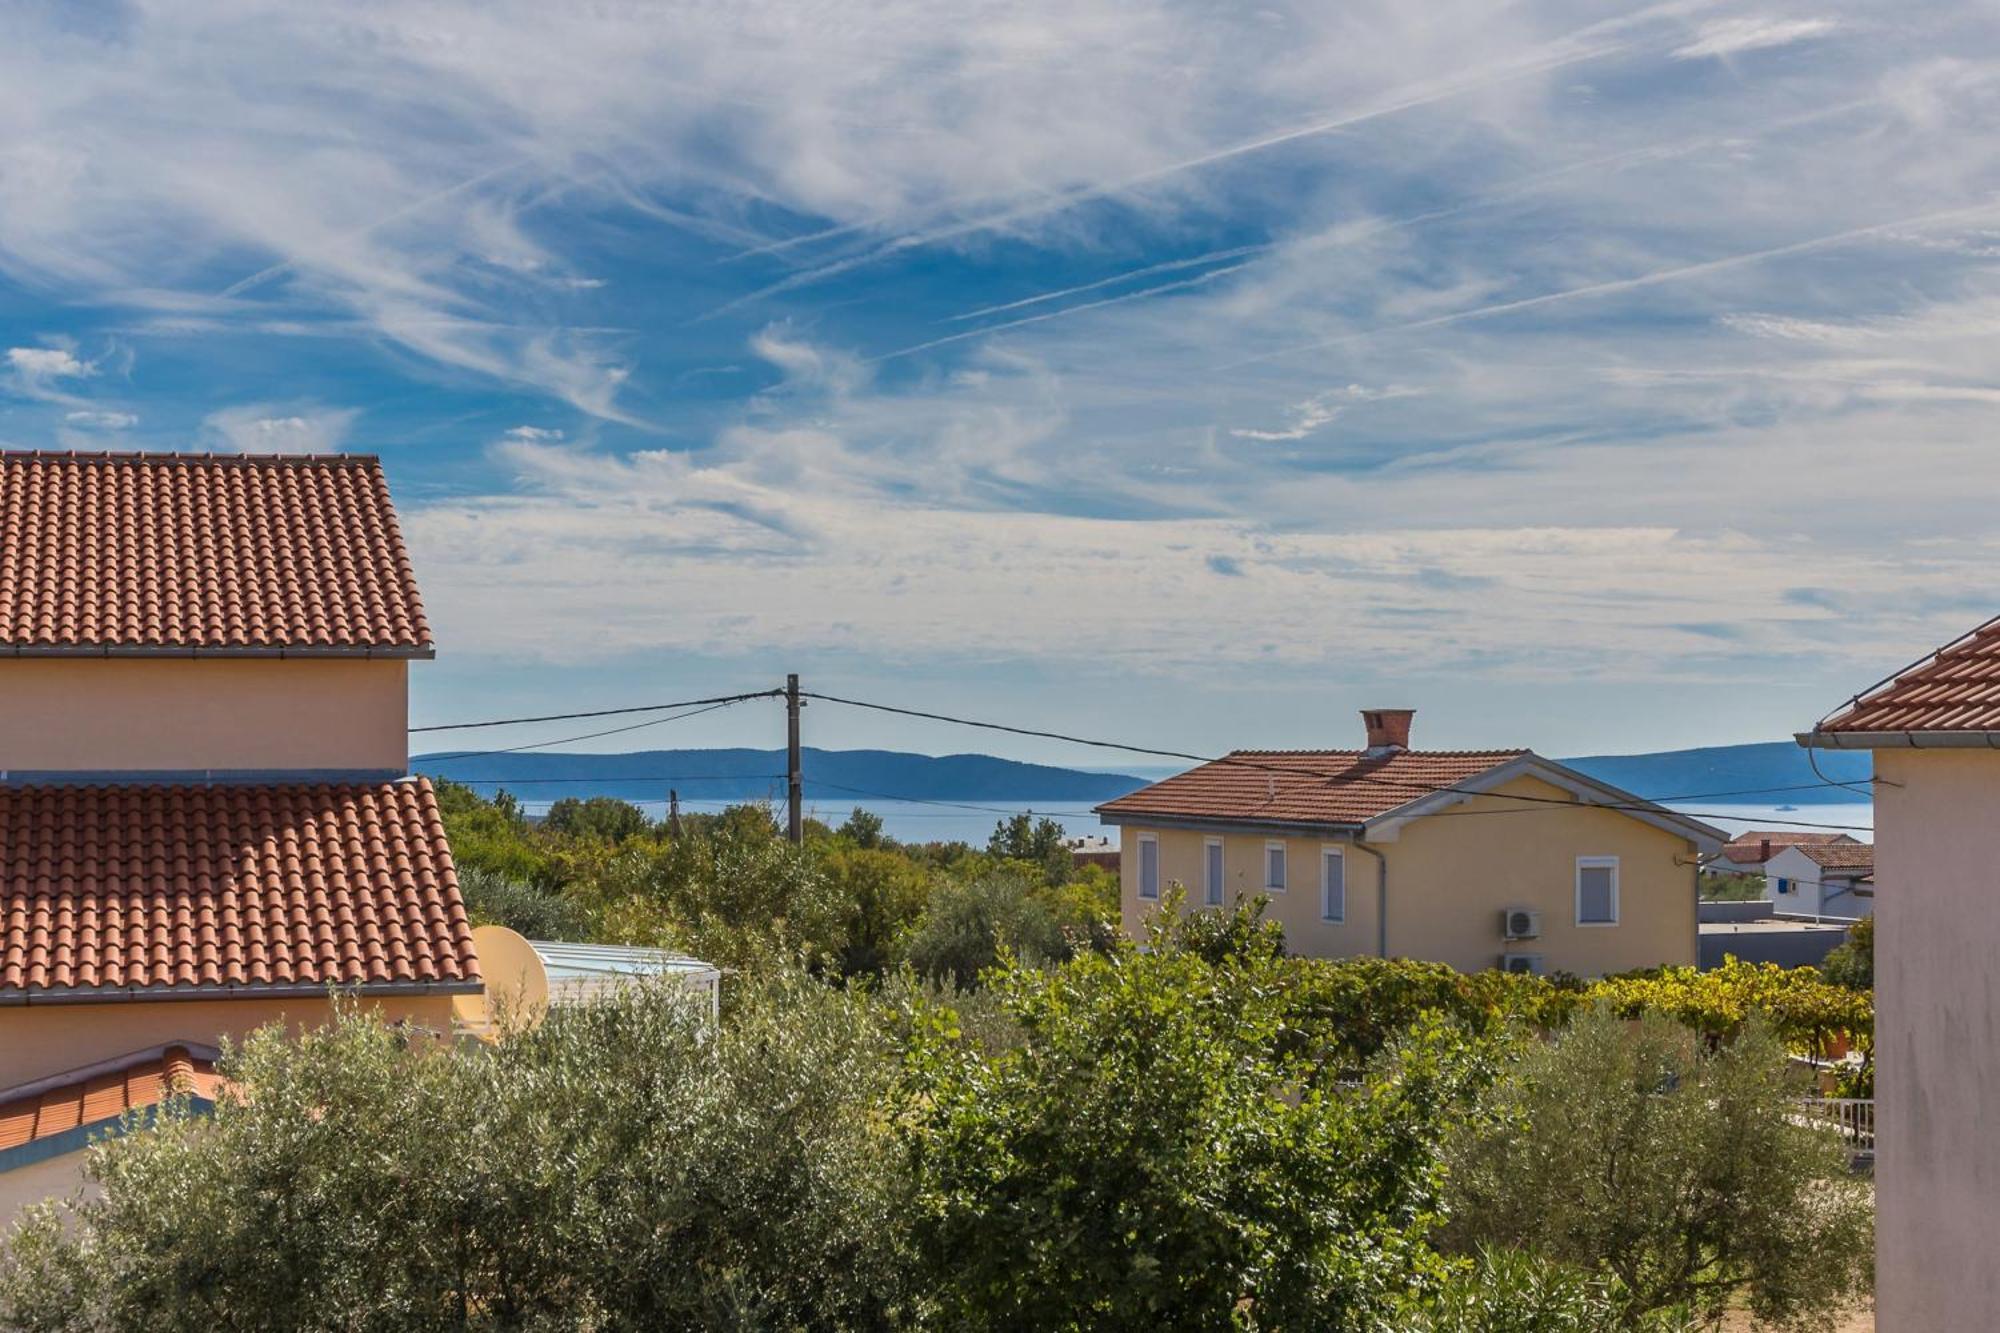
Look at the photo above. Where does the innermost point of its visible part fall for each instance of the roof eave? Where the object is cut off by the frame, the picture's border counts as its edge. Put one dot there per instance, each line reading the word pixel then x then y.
pixel 1224 824
pixel 423 652
pixel 33 995
pixel 1899 740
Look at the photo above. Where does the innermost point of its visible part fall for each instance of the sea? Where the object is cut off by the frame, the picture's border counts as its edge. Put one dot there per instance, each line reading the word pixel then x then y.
pixel 973 821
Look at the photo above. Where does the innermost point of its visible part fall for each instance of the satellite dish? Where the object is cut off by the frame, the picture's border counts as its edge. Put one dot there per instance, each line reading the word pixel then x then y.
pixel 517 985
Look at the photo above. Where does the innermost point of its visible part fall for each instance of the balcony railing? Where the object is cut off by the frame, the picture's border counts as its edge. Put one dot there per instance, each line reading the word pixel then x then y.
pixel 1853 1117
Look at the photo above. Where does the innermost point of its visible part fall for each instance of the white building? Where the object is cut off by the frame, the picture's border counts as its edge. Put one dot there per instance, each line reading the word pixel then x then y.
pixel 1822 880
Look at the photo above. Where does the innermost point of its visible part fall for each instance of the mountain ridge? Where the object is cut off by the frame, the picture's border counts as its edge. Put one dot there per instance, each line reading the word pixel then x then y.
pixel 1764 773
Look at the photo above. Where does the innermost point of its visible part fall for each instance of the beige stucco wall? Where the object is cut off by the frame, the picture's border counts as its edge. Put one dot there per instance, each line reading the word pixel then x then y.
pixel 179 714
pixel 56 1178
pixel 1937 1025
pixel 38 1040
pixel 1451 875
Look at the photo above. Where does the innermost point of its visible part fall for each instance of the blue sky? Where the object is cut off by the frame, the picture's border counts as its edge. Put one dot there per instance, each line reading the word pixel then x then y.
pixel 1588 379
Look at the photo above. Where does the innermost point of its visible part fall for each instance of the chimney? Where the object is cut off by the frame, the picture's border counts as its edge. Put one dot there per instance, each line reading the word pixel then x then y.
pixel 1388 730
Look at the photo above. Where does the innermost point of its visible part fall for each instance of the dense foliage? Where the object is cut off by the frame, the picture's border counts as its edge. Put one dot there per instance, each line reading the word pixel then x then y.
pixel 849 903
pixel 1675 1167
pixel 946 1093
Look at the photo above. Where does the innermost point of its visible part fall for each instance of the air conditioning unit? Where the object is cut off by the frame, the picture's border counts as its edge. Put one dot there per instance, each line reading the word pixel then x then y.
pixel 1528 964
pixel 1519 923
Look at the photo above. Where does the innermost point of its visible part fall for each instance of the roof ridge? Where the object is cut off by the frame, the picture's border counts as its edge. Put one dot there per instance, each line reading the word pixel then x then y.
pixel 1420 754
pixel 166 456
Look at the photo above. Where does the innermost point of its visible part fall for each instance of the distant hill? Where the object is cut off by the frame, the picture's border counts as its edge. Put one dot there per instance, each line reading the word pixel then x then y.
pixel 834 777
pixel 831 776
pixel 1750 769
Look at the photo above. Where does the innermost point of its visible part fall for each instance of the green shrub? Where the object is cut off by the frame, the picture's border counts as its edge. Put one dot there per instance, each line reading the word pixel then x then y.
pixel 969 924
pixel 1670 1164
pixel 1508 1291
pixel 493 899
pixel 621 1167
pixel 1150 1155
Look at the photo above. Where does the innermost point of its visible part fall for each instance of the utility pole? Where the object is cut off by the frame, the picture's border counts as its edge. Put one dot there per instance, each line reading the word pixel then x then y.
pixel 795 828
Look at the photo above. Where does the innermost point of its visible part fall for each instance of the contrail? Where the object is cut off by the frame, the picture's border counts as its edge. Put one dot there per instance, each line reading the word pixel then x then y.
pixel 1630 284
pixel 1067 199
pixel 1341 235
pixel 1196 281
pixel 1170 266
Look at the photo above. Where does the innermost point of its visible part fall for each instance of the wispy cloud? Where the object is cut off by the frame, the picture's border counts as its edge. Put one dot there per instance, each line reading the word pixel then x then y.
pixel 98 420
pixel 1733 36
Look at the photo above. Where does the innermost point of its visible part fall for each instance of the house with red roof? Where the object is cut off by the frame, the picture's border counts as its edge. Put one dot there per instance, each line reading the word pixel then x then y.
pixel 1934 729
pixel 1822 880
pixel 206 815
pixel 1479 859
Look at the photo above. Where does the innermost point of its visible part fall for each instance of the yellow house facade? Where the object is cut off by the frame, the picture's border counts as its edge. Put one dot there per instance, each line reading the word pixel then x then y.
pixel 1475 859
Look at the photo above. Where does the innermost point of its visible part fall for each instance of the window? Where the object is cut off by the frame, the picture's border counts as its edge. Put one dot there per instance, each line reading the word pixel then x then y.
pixel 1274 866
pixel 1596 890
pixel 1149 866
pixel 1332 885
pixel 1784 885
pixel 1211 871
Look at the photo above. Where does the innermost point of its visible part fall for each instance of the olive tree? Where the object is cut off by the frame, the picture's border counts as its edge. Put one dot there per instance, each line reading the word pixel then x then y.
pixel 622 1166
pixel 1675 1166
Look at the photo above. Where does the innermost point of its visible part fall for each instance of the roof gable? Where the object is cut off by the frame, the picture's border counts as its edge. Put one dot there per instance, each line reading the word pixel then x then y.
pixel 203 553
pixel 62 1115
pixel 157 892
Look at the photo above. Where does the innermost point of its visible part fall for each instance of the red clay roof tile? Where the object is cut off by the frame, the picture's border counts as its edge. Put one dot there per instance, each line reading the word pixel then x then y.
pixel 1748 848
pixel 213 553
pixel 1842 855
pixel 1305 786
pixel 101 1098
pixel 174 888
pixel 1955 689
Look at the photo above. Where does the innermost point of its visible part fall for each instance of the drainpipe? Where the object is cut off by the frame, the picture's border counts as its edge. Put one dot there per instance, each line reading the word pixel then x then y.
pixel 1381 895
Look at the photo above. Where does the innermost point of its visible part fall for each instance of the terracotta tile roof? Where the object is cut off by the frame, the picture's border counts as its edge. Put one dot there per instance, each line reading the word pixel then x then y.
pixel 219 553
pixel 1305 786
pixel 1955 689
pixel 178 888
pixel 1842 855
pixel 99 1099
pixel 1748 848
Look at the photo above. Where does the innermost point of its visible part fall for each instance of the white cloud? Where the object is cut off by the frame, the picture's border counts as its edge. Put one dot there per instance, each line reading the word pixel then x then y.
pixel 1320 410
pixel 38 372
pixel 258 428
pixel 533 434
pixel 100 420
pixel 1733 36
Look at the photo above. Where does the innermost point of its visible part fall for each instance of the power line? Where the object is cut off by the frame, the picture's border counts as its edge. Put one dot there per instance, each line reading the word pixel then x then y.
pixel 601 712
pixel 585 736
pixel 1287 771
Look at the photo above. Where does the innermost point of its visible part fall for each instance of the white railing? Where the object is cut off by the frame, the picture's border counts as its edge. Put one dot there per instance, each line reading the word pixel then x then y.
pixel 1854 1117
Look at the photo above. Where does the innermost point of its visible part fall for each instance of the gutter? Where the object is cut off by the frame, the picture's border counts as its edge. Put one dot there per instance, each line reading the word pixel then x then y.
pixel 1381 895
pixel 17 995
pixel 1899 740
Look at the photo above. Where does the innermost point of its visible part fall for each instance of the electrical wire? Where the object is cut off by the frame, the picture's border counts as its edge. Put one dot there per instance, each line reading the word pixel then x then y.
pixel 586 736
pixel 601 712
pixel 1292 772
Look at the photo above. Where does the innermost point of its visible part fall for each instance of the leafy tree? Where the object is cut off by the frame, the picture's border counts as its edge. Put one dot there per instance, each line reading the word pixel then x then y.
pixel 969 924
pixel 1672 1165
pixel 621 1167
pixel 1040 843
pixel 603 817
pixel 864 829
pixel 1509 1291
pixel 494 835
pixel 885 893
pixel 1852 963
pixel 1150 1156
pixel 492 898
